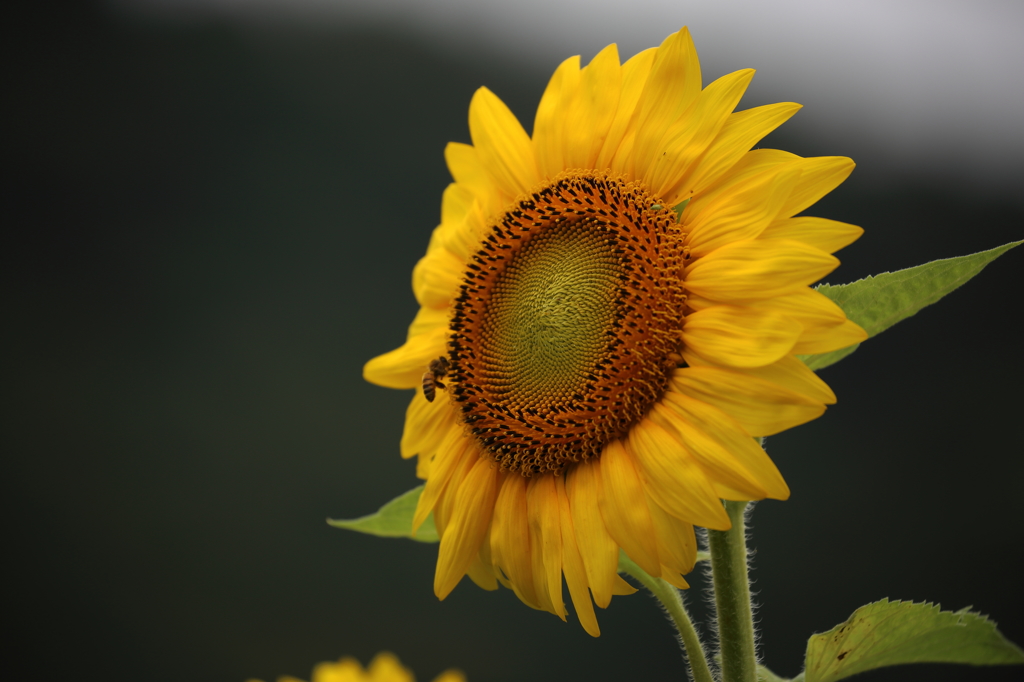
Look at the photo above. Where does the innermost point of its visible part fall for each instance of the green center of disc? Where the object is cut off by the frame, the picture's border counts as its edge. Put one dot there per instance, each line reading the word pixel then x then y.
pixel 546 325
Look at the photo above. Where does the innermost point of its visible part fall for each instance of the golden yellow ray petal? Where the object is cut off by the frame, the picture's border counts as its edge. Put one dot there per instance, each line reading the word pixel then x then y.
pixel 634 76
pixel 807 306
pixel 482 574
pixel 426 425
pixel 722 467
pixel 504 147
pixel 624 507
pixel 404 366
pixel 741 212
pixel 685 142
pixel 751 164
pixel 467 527
pixel 456 202
pixel 834 338
pixel 549 121
pixel 757 269
pixel 510 539
pixel 621 588
pixel 793 375
pixel 467 169
pixel 445 506
pixel 677 581
pixel 671 89
pixel 572 564
pixel 593 109
pixel 739 336
pixel 673 478
pixel 427 319
pixel 423 465
pixel 723 447
pixel 384 667
pixel 822 233
pixel 546 541
pixel 435 279
pixel 461 222
pixel 677 544
pixel 741 131
pixel 448 676
pixel 599 552
pixel 761 407
pixel 818 176
pixel 453 451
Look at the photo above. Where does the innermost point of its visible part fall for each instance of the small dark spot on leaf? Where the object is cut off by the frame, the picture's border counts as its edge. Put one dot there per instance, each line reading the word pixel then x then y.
pixel 842 655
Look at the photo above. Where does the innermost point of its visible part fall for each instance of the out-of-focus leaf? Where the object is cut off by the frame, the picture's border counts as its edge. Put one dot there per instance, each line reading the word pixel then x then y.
pixel 393 520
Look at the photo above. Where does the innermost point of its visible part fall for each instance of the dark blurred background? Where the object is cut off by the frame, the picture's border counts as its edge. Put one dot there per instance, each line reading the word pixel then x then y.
pixel 211 226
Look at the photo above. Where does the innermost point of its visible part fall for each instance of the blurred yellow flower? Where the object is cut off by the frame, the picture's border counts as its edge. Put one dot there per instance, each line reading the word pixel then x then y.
pixel 610 310
pixel 385 667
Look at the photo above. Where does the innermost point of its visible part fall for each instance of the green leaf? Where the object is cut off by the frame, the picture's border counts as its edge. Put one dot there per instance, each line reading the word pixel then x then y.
pixel 393 520
pixel 877 303
pixel 892 633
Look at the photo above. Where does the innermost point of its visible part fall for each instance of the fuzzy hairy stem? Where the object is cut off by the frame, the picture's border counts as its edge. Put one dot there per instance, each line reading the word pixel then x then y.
pixel 672 602
pixel 732 597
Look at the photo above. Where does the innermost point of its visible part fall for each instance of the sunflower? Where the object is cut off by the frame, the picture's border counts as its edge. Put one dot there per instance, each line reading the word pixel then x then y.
pixel 610 313
pixel 384 667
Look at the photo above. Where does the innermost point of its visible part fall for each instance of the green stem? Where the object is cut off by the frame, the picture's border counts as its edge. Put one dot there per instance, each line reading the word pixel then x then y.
pixel 732 597
pixel 672 601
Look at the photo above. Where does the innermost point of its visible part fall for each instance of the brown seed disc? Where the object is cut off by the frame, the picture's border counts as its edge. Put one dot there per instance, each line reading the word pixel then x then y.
pixel 568 321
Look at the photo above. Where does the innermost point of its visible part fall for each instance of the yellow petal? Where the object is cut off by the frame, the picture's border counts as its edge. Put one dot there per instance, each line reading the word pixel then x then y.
pixel 436 278
pixel 685 143
pixel 673 479
pixel 404 366
pixel 426 425
pixel 623 506
pixel 807 306
pixel 672 87
pixel 741 131
pixel 426 320
pixel 825 340
pixel 761 407
pixel 821 233
pixel 468 170
pixel 673 579
pixel 738 336
pixel 751 164
pixel 793 375
pixel 634 77
pixel 461 222
pixel 453 451
pixel 572 564
pixel 504 147
pixel 549 121
pixel 546 541
pixel 450 676
pixel 599 552
pixel 677 544
pixel 482 574
pixel 468 525
pixel 818 176
pixel 621 588
pixel 743 211
pixel 723 448
pixel 510 539
pixel 384 666
pixel 593 110
pixel 757 269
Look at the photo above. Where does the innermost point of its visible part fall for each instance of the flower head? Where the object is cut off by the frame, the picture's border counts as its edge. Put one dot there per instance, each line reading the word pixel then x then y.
pixel 610 311
pixel 384 667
